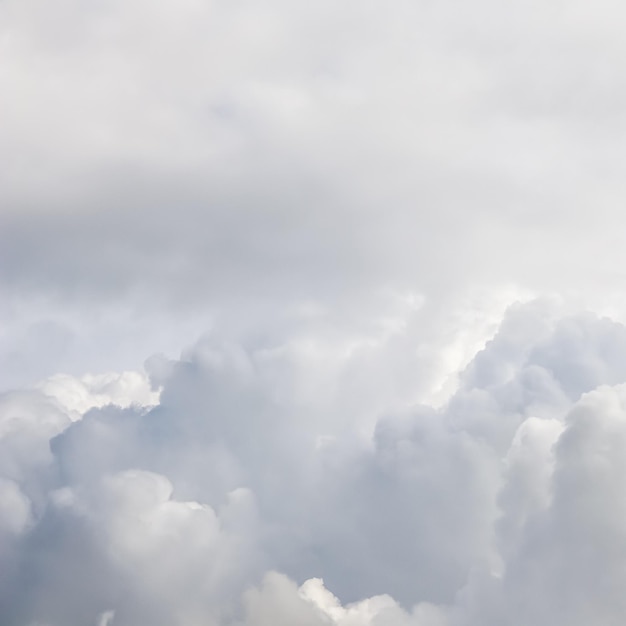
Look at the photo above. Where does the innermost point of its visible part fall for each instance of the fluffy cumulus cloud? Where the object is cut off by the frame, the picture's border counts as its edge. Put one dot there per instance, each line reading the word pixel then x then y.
pixel 236 500
pixel 390 235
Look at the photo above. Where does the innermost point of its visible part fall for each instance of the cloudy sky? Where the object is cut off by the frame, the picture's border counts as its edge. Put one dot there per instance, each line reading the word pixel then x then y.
pixel 312 313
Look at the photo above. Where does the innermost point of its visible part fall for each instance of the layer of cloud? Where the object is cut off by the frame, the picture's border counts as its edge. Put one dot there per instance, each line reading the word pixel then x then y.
pixel 220 158
pixel 341 199
pixel 243 499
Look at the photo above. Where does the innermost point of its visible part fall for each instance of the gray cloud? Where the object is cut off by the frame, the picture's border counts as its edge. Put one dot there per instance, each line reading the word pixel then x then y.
pixel 500 506
pixel 333 205
pixel 216 157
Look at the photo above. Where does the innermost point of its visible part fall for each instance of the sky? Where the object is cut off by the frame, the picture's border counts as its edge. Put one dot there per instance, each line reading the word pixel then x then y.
pixel 312 313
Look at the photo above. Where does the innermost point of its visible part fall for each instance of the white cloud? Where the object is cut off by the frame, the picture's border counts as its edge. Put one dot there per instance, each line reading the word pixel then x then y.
pixel 78 395
pixel 340 200
pixel 16 513
pixel 105 618
pixel 172 160
pixel 500 506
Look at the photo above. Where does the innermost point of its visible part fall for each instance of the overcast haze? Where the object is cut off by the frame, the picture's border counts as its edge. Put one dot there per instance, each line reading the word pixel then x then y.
pixel 312 313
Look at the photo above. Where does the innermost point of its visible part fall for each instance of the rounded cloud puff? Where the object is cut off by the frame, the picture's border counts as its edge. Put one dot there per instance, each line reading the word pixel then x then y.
pixel 502 505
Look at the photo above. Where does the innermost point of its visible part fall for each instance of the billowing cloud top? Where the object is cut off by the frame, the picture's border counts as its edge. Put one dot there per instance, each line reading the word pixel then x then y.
pixel 375 225
pixel 501 506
